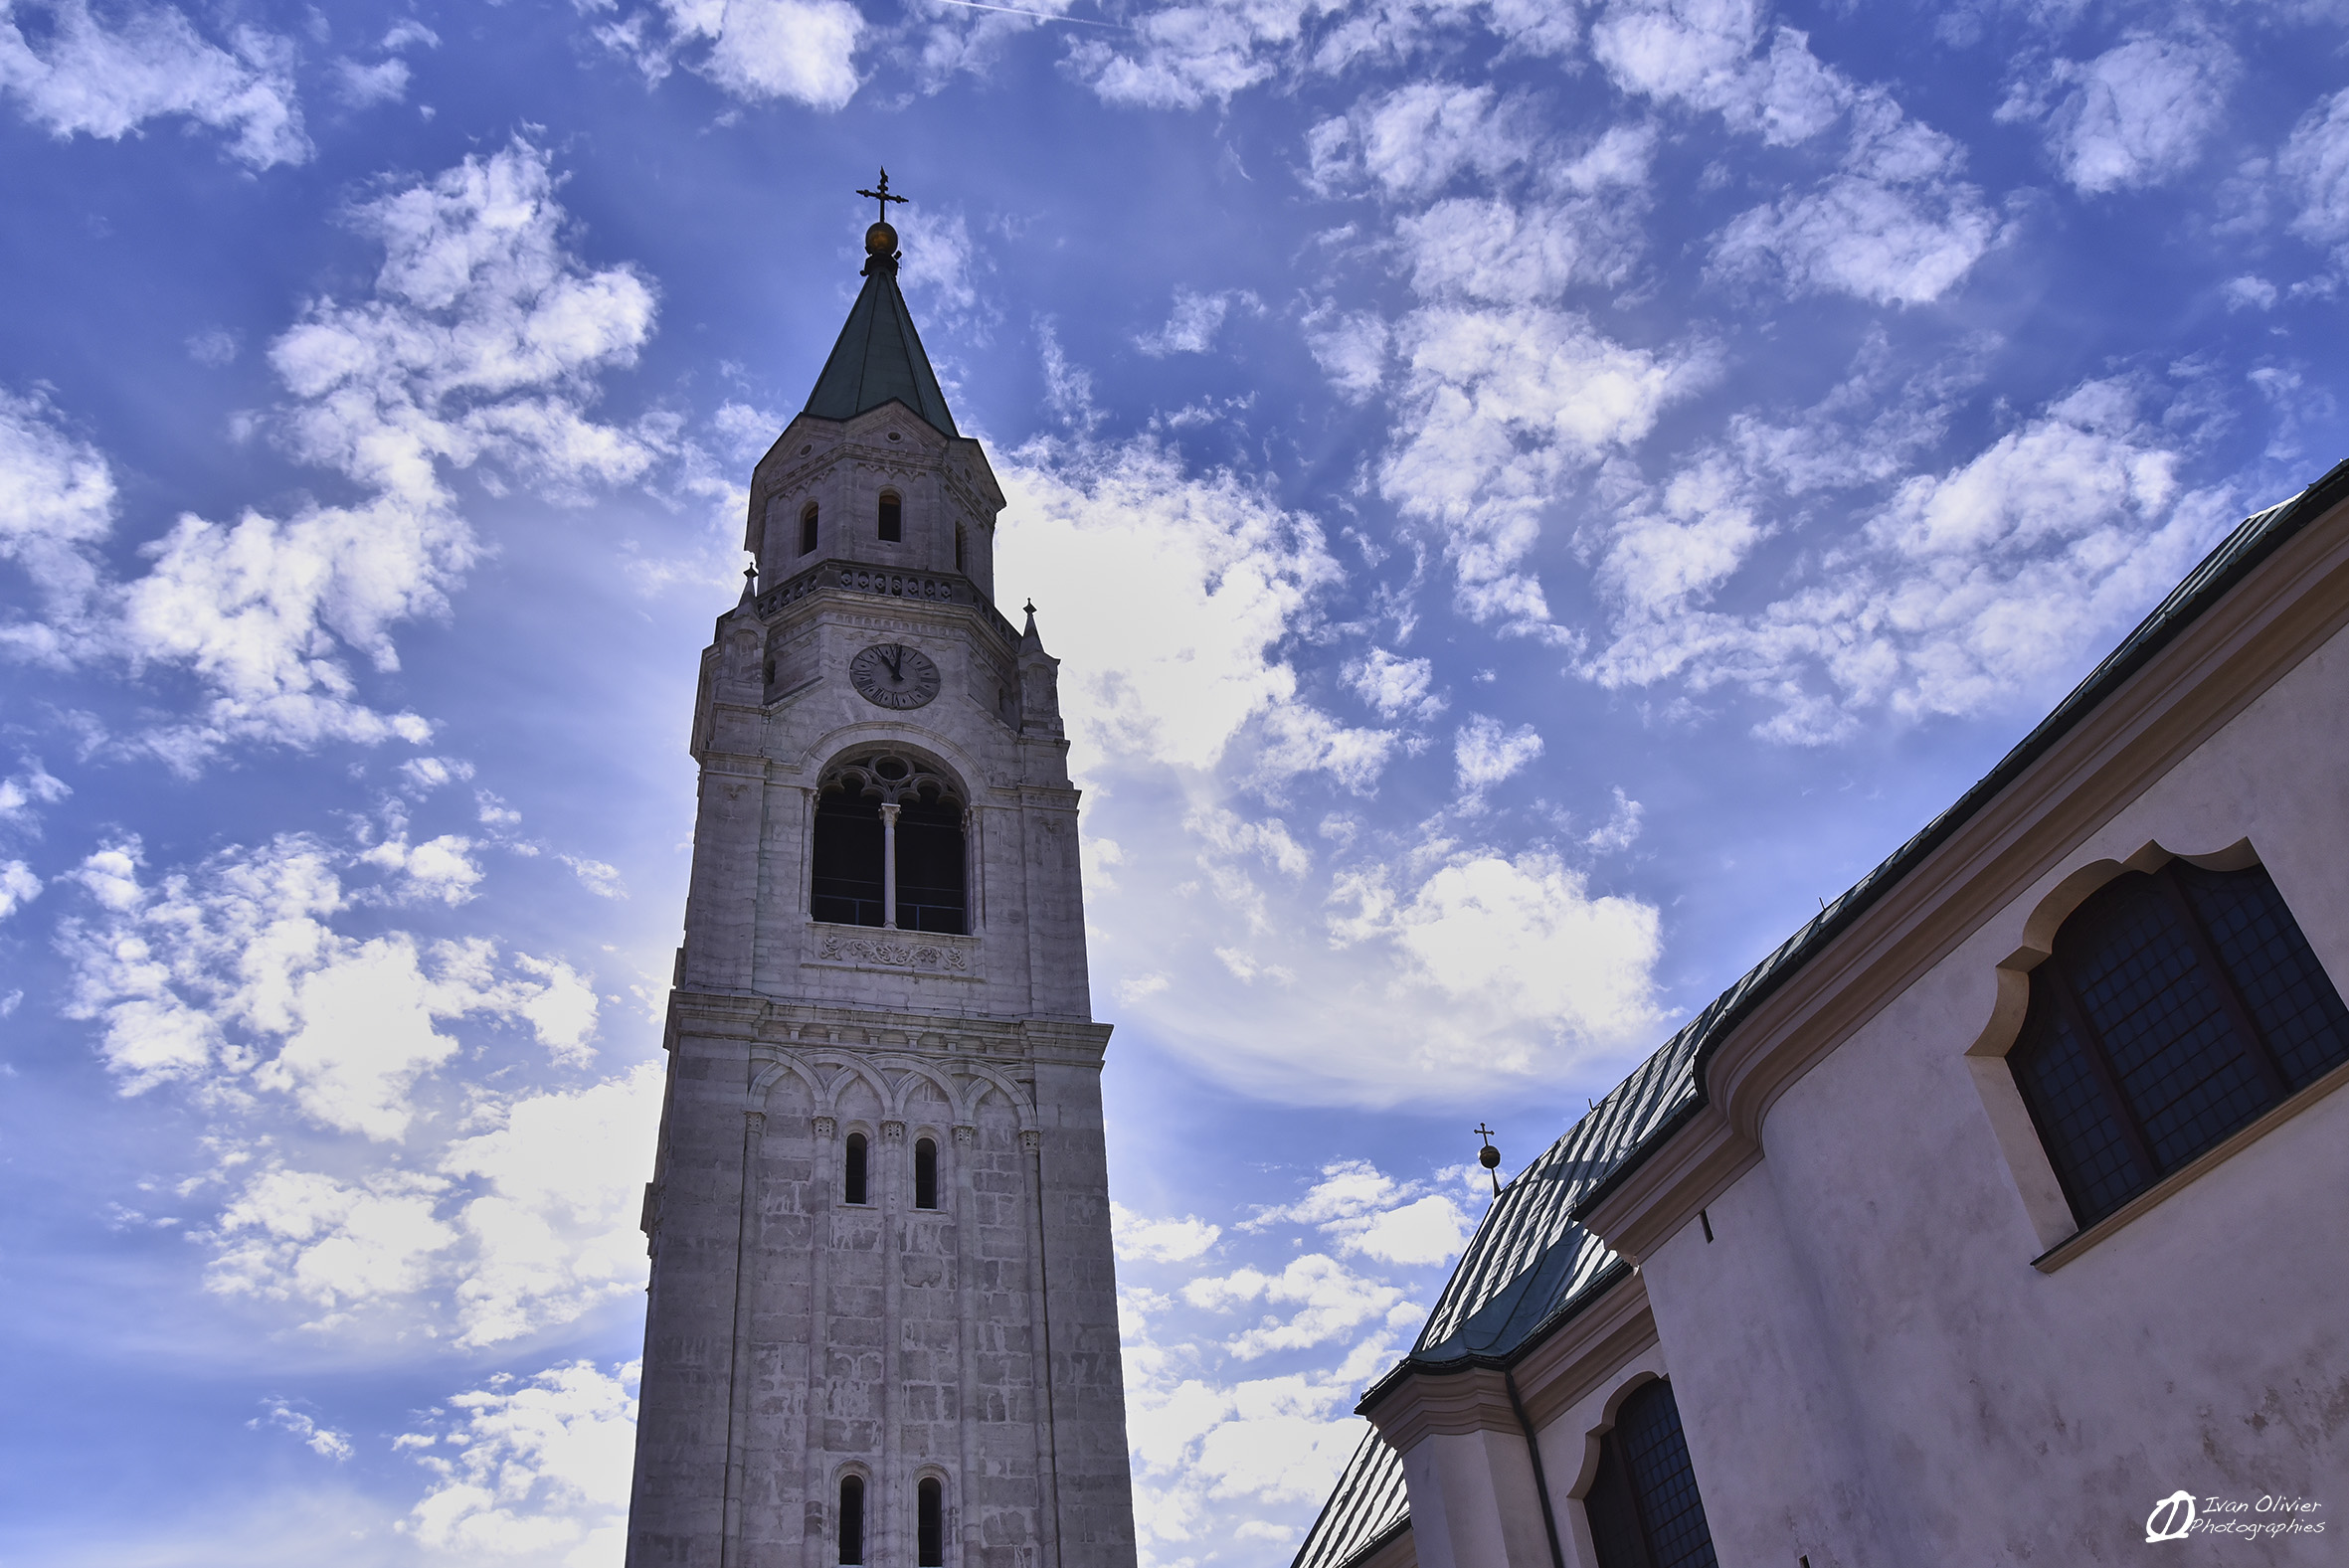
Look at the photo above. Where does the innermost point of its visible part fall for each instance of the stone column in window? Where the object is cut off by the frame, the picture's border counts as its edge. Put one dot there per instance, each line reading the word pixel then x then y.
pixel 889 866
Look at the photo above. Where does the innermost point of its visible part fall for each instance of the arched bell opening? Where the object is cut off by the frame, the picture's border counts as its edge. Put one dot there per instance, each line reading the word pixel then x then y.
pixel 889 846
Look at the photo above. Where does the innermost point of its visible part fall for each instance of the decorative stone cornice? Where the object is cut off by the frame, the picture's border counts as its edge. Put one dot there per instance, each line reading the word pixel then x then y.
pixel 1423 1406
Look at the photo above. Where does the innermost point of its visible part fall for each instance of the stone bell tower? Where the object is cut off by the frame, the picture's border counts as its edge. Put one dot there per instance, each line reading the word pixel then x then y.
pixel 882 1324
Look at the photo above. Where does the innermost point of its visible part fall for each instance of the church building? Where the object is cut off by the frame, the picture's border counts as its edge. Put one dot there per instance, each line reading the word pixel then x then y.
pixel 1997 1216
pixel 882 1326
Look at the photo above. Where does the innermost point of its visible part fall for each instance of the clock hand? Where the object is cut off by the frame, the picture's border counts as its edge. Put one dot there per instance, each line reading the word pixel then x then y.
pixel 897 665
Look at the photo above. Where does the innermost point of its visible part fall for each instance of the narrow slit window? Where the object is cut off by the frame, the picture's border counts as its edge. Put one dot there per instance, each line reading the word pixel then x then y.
pixel 852 1518
pixel 958 547
pixel 1643 1507
pixel 892 518
pixel 930 1524
pixel 2176 1006
pixel 808 530
pixel 852 1173
pixel 925 1174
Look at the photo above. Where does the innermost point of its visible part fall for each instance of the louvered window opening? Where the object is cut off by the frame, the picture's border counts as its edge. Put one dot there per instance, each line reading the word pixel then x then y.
pixel 2176 1006
pixel 1643 1507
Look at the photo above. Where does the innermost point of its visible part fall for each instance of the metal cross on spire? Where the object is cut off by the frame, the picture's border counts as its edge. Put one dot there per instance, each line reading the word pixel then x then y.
pixel 884 197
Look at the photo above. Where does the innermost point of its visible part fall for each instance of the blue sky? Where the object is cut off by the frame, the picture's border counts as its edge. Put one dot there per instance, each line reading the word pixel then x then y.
pixel 1531 498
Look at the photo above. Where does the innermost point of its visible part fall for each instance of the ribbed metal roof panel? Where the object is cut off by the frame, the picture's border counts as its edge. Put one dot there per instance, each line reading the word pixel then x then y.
pixel 1365 1509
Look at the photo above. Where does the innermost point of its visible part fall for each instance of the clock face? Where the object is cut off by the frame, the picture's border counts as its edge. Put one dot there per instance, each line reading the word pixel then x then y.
pixel 893 675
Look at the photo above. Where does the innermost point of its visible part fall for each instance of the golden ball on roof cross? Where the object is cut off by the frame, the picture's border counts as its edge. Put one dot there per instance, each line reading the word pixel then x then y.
pixel 880 239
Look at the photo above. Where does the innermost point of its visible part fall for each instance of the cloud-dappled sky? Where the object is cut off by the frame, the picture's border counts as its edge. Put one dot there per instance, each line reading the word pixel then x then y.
pixel 1531 497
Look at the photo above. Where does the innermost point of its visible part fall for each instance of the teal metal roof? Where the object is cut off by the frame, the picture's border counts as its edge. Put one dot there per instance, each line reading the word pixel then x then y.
pixel 1367 1509
pixel 879 359
pixel 1531 1265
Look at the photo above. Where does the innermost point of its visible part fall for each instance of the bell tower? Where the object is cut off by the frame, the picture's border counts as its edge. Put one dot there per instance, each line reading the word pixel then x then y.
pixel 882 1322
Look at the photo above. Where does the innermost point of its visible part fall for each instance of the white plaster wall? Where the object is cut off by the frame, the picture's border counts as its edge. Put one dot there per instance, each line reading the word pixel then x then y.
pixel 2001 1414
pixel 1473 1503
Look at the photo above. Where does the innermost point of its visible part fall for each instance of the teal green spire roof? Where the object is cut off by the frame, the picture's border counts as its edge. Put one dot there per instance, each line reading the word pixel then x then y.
pixel 879 355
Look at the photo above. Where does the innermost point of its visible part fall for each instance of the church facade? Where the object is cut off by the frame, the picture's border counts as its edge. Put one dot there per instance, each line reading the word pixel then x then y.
pixel 1995 1217
pixel 882 1320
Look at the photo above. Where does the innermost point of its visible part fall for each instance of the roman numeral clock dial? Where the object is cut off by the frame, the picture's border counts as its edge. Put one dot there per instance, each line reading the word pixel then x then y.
pixel 892 675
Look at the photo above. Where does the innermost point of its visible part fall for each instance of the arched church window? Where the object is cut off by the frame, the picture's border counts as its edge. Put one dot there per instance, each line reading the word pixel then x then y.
pixel 808 530
pixel 2176 1006
pixel 852 1182
pixel 892 518
pixel 1643 1506
pixel 925 1174
pixel 888 846
pixel 852 1518
pixel 930 1524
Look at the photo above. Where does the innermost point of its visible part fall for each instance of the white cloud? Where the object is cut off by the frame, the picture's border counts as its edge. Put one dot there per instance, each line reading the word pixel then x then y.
pixel 2137 114
pixel 1394 686
pixel 530 1468
pixel 1331 1300
pixel 440 868
pixel 1196 320
pixel 478 346
pixel 57 502
pixel 91 80
pixel 230 973
pixel 1351 349
pixel 18 887
pixel 1893 226
pixel 759 50
pixel 553 1225
pixel 324 1442
pixel 1415 139
pixel 1976 588
pixel 1518 948
pixel 1184 56
pixel 1144 1240
pixel 21 792
pixel 430 772
pixel 299 1234
pixel 1485 753
pixel 362 87
pixel 598 876
pixel 2315 165
pixel 1621 829
pixel 1707 53
pixel 1498 409
pixel 1174 674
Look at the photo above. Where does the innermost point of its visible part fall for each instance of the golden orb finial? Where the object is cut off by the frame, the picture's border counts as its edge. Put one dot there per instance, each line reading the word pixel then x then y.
pixel 880 239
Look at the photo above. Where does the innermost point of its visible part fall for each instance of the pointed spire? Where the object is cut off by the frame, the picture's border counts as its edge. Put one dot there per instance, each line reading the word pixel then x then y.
pixel 1030 641
pixel 879 357
pixel 750 584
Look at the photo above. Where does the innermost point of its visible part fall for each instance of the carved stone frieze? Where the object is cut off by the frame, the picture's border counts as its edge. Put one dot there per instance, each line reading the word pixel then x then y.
pixel 898 950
